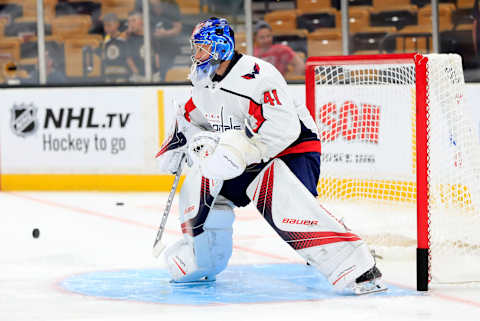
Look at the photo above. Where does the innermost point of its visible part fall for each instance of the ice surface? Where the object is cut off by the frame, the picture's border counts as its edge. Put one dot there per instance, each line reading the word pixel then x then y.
pixel 86 236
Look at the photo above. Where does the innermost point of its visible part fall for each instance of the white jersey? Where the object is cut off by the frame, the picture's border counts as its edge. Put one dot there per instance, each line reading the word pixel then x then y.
pixel 253 91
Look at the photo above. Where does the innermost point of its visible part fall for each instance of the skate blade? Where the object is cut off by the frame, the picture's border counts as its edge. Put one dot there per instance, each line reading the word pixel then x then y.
pixel 369 288
pixel 198 282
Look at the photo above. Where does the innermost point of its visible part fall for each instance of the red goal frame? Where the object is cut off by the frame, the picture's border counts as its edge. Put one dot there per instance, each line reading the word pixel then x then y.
pixel 421 83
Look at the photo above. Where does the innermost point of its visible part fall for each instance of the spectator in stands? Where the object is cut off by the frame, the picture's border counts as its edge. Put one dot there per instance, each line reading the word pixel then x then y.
pixel 54 74
pixel 114 50
pixel 136 50
pixel 166 25
pixel 53 67
pixel 111 26
pixel 281 56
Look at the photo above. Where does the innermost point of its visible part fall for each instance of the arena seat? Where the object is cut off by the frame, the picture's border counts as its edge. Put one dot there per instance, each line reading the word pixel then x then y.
pixel 29 49
pixel 96 1
pixel 295 39
pixel 241 42
pixel 352 3
pixel 445 11
pixel 423 3
pixel 371 38
pixel 177 74
pixel 74 58
pixel 30 8
pixel 465 4
pixel 10 48
pixel 324 42
pixel 24 29
pixel 327 18
pixel 389 4
pixel 464 13
pixel 359 18
pixel 414 39
pixel 313 5
pixel 189 7
pixel 71 25
pixel 292 77
pixel 2 28
pixel 367 52
pixel 397 16
pixel 282 19
pixel 120 7
pixel 85 7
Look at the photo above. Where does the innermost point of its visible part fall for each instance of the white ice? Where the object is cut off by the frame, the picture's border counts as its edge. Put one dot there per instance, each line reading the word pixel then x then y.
pixel 82 232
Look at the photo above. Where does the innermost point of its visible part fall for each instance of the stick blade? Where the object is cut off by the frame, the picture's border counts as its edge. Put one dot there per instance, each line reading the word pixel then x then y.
pixel 158 249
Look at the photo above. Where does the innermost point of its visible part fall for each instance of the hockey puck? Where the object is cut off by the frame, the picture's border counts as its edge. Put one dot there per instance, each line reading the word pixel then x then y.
pixel 36 233
pixel 119 203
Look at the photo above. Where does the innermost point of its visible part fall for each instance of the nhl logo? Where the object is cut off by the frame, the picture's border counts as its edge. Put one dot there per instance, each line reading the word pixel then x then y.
pixel 24 119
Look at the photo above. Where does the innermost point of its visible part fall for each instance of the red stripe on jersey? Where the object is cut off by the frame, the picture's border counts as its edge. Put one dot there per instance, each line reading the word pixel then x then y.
pixel 189 106
pixel 256 111
pixel 305 147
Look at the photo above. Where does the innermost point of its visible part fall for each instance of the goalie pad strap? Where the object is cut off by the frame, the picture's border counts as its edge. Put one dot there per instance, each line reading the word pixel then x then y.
pixel 194 226
pixel 197 198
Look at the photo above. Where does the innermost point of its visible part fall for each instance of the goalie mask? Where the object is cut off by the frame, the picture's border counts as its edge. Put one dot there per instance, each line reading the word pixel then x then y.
pixel 212 42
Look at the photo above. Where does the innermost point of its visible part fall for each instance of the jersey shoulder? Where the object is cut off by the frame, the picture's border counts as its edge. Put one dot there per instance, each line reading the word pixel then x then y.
pixel 250 76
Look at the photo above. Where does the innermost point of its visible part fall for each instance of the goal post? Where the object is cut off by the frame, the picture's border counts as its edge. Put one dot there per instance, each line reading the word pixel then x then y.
pixel 395 133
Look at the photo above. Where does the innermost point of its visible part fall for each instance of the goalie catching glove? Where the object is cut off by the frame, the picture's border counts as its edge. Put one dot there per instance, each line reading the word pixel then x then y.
pixel 176 143
pixel 222 156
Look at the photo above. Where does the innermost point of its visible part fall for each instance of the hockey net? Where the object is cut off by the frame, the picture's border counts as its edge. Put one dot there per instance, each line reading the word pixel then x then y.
pixel 394 127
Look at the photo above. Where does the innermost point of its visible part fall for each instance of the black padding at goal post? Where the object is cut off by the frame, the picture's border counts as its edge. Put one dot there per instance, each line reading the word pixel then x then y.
pixel 422 269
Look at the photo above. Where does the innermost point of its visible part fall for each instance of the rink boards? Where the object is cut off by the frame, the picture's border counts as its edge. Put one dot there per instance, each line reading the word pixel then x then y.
pixel 86 138
pixel 95 138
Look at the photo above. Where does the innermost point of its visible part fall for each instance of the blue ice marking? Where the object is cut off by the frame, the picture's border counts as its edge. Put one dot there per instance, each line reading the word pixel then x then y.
pixel 237 284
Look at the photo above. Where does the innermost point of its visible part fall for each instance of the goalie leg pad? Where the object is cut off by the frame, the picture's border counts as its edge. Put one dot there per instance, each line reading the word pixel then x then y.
pixel 307 227
pixel 206 246
pixel 197 196
pixel 205 255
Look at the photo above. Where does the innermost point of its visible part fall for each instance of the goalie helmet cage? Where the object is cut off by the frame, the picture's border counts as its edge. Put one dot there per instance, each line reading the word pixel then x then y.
pixel 375 114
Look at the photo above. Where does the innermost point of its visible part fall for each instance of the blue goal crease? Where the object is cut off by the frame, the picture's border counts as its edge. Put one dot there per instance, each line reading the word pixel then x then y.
pixel 257 283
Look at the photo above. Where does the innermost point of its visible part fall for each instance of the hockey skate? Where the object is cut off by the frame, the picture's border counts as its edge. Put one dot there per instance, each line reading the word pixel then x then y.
pixel 369 282
pixel 204 280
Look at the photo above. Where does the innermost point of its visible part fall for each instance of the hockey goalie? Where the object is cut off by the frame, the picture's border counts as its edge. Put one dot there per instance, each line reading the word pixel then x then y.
pixel 259 146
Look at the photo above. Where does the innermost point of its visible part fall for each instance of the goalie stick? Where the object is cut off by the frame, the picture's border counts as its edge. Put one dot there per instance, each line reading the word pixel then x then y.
pixel 177 139
pixel 158 246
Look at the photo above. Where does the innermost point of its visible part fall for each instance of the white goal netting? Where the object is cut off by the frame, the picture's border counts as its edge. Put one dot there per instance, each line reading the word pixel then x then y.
pixel 366 113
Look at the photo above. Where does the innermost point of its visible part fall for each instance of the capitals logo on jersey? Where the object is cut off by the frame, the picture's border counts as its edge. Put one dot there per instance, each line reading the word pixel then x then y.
pixel 256 71
pixel 222 123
